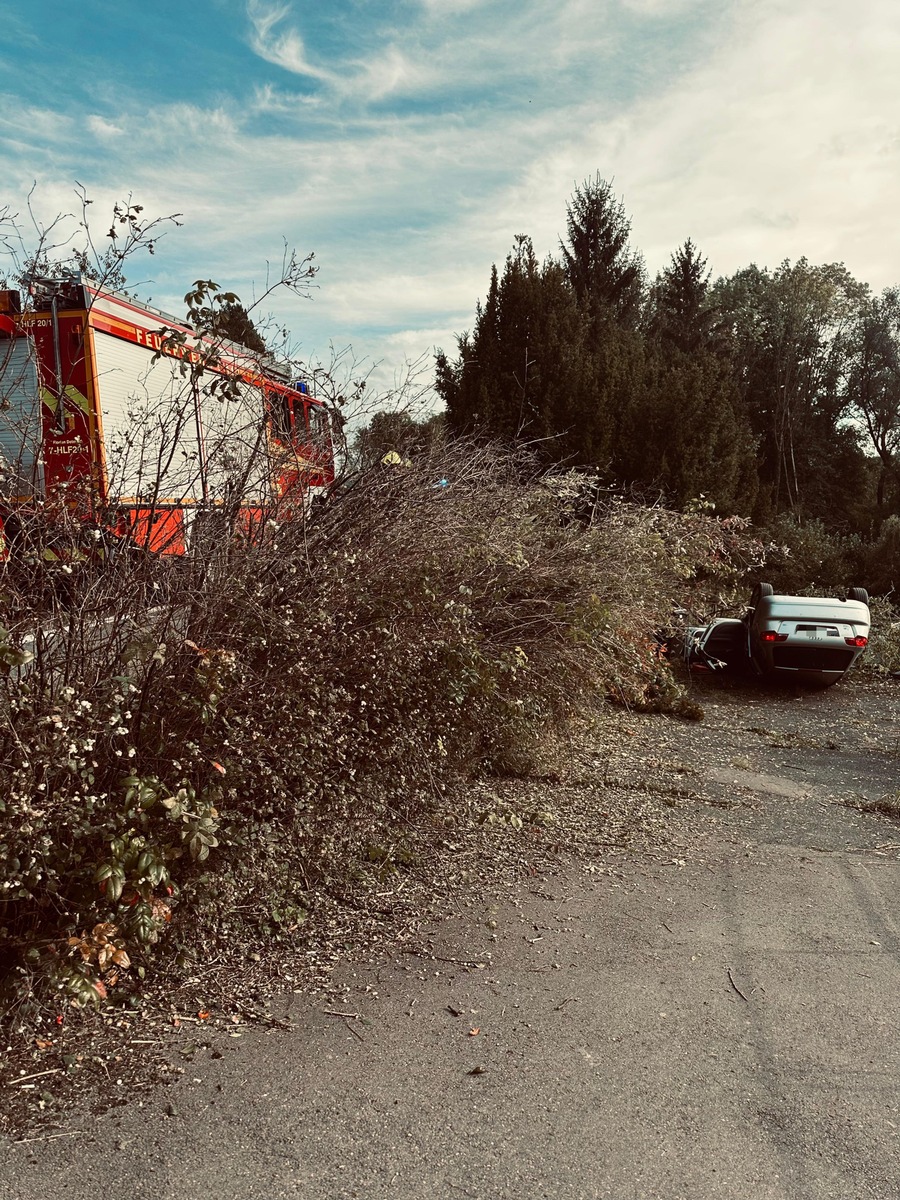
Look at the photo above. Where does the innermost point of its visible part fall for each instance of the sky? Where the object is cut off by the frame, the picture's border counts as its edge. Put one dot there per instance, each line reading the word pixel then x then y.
pixel 407 142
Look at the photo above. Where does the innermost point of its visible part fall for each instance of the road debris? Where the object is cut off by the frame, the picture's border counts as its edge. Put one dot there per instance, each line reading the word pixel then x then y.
pixel 734 985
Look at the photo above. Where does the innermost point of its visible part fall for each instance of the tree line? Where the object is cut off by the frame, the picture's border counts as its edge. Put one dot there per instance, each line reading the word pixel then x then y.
pixel 774 394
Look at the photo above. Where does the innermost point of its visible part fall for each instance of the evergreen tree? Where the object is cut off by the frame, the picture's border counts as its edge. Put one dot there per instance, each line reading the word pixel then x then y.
pixel 679 311
pixel 683 433
pixel 530 370
pixel 233 322
pixel 606 275
pixel 494 386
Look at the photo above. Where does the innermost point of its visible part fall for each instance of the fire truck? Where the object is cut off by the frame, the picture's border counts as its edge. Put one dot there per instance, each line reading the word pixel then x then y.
pixel 150 431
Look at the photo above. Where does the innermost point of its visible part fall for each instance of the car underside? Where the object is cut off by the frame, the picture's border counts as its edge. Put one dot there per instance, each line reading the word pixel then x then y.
pixel 807 639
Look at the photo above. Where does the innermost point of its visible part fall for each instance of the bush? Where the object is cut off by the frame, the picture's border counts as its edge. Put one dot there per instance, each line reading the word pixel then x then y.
pixel 882 560
pixel 810 558
pixel 883 652
pixel 200 746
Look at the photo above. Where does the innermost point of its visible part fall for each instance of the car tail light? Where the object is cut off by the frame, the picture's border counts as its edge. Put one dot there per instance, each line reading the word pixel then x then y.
pixel 770 635
pixel 859 641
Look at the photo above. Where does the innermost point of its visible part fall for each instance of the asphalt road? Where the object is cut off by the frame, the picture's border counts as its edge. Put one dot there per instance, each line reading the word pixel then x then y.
pixel 720 1025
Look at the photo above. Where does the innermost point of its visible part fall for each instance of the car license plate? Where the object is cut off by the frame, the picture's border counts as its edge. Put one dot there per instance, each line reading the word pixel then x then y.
pixel 814 634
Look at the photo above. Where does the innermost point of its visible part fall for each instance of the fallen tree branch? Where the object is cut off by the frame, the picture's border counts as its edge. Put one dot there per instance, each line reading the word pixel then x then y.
pixel 734 985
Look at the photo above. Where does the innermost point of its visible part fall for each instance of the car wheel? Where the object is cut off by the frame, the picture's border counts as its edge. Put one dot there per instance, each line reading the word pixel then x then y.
pixel 859 594
pixel 759 592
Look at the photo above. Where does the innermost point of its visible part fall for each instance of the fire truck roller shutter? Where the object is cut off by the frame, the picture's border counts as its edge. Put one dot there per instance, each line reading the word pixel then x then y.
pixel 149 422
pixel 237 431
pixel 21 469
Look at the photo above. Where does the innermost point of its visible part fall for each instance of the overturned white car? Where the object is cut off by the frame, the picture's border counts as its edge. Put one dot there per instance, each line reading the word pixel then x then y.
pixel 810 639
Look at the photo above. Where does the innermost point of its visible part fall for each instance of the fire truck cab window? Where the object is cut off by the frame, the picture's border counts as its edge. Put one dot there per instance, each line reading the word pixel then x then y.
pixel 318 426
pixel 281 415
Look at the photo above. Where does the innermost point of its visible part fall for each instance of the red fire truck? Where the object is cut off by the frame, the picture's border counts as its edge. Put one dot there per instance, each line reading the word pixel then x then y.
pixel 119 412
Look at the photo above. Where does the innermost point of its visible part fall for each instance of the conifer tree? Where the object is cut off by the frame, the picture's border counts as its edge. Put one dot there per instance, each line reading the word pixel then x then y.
pixel 606 275
pixel 679 311
pixel 688 435
pixel 234 322
pixel 507 372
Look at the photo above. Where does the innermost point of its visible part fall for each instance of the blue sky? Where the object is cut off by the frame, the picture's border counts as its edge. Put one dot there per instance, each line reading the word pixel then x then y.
pixel 407 142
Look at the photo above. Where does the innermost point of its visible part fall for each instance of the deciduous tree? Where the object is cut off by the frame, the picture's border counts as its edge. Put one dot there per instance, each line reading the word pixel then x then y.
pixel 873 384
pixel 788 333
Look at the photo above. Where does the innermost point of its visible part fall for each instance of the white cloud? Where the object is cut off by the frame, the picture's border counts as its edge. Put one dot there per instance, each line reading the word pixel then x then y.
pixel 392 73
pixel 660 8
pixel 784 144
pixel 267 99
pixel 30 125
pixel 281 47
pixel 103 128
pixel 389 71
pixel 452 7
pixel 455 49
